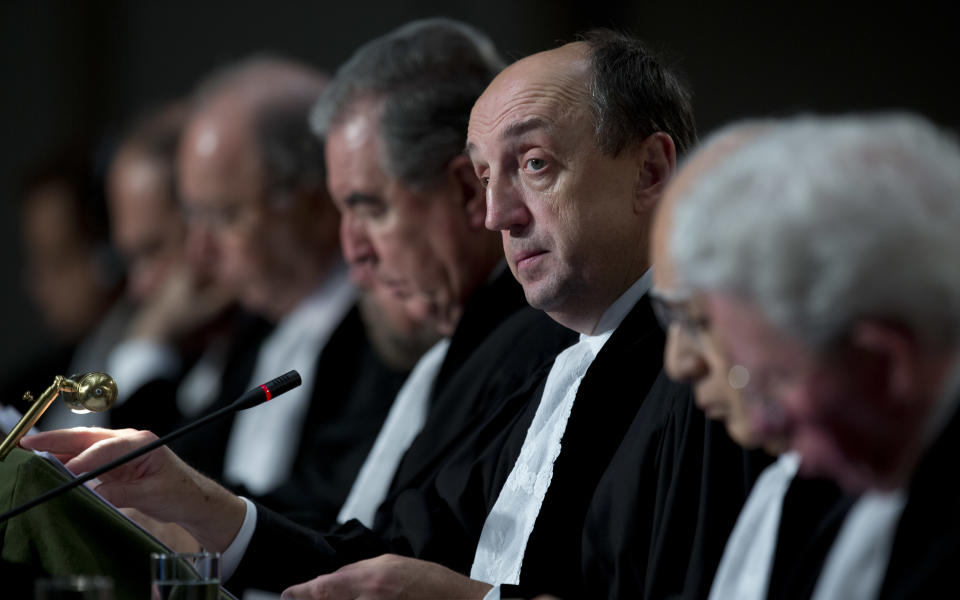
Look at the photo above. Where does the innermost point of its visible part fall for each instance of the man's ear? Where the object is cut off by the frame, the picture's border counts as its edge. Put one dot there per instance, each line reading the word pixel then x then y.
pixel 472 195
pixel 894 352
pixel 656 163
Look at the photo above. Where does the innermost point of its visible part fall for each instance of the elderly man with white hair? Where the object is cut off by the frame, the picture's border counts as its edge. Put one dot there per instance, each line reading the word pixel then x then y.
pixel 820 258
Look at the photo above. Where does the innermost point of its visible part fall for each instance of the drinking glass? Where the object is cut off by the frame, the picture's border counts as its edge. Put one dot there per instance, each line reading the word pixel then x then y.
pixel 184 576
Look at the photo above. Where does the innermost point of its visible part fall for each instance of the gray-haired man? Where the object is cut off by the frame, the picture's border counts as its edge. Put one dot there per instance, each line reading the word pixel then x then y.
pixel 822 253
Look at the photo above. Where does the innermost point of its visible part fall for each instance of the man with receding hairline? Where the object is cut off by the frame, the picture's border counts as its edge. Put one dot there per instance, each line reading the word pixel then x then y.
pixel 575 147
pixel 573 217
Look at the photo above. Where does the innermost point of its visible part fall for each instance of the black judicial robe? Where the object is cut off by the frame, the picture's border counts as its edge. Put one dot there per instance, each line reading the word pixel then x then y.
pixel 484 364
pixel 811 516
pixel 153 405
pixel 353 392
pixel 436 512
pixel 926 546
pixel 663 512
pixel 443 522
pixel 644 458
pixel 205 449
pixel 498 345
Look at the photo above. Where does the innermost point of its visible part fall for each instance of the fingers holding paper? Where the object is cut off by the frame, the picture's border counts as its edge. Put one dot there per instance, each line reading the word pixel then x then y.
pixel 158 484
pixel 67 444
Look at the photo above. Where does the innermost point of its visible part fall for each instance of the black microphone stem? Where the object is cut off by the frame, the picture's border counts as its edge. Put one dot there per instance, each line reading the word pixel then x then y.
pixel 242 403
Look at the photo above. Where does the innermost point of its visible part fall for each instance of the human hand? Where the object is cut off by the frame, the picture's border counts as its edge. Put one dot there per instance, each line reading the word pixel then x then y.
pixel 185 303
pixel 171 534
pixel 389 576
pixel 158 484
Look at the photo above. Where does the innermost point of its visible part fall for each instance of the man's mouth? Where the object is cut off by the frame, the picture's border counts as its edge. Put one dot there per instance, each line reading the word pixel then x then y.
pixel 527 258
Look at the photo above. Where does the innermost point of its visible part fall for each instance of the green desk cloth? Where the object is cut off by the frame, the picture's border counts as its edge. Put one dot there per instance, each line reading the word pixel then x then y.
pixel 73 534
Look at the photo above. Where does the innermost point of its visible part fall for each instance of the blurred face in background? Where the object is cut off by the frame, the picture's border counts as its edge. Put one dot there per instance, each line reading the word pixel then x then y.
pixel 698 352
pixel 261 243
pixel 147 226
pixel 704 340
pixel 842 407
pixel 61 264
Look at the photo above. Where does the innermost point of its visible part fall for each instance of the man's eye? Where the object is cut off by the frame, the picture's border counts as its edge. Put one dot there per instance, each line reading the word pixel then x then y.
pixel 536 164
pixel 485 181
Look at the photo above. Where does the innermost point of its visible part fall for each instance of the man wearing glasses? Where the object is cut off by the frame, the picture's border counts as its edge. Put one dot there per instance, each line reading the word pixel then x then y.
pixel 813 262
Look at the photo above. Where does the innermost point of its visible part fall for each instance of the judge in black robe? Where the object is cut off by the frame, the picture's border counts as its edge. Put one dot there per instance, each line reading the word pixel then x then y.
pixel 666 540
pixel 349 401
pixel 476 387
pixel 441 520
pixel 353 392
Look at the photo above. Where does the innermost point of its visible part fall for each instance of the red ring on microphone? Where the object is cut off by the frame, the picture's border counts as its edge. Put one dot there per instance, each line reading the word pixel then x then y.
pixel 266 391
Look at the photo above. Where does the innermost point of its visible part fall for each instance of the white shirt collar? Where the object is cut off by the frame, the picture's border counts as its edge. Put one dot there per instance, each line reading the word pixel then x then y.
pixel 617 312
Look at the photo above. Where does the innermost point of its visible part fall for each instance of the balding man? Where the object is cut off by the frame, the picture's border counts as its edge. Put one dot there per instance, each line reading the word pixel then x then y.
pixel 571 207
pixel 575 147
pixel 846 347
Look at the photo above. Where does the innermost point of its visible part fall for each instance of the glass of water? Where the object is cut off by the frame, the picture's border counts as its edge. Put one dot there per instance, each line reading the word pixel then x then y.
pixel 185 576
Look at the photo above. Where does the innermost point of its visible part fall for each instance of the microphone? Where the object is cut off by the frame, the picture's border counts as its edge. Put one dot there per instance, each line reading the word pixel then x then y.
pixel 251 398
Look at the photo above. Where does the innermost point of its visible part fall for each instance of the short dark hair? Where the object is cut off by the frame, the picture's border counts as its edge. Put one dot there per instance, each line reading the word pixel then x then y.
pixel 425 76
pixel 633 94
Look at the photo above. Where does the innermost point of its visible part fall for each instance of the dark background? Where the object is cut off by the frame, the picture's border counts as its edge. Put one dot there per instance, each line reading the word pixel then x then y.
pixel 77 68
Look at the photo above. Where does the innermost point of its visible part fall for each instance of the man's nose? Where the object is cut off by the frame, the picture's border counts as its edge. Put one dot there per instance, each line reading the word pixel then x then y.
pixel 356 244
pixel 506 210
pixel 201 246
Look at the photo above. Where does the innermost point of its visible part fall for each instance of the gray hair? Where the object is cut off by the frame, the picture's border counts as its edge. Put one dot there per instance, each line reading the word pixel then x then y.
pixel 821 221
pixel 282 93
pixel 425 78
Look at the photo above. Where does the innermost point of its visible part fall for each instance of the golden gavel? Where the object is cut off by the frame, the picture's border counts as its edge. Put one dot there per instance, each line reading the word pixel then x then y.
pixel 90 392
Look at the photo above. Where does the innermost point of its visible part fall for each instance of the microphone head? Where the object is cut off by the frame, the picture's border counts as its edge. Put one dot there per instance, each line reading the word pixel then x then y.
pixel 284 383
pixel 268 391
